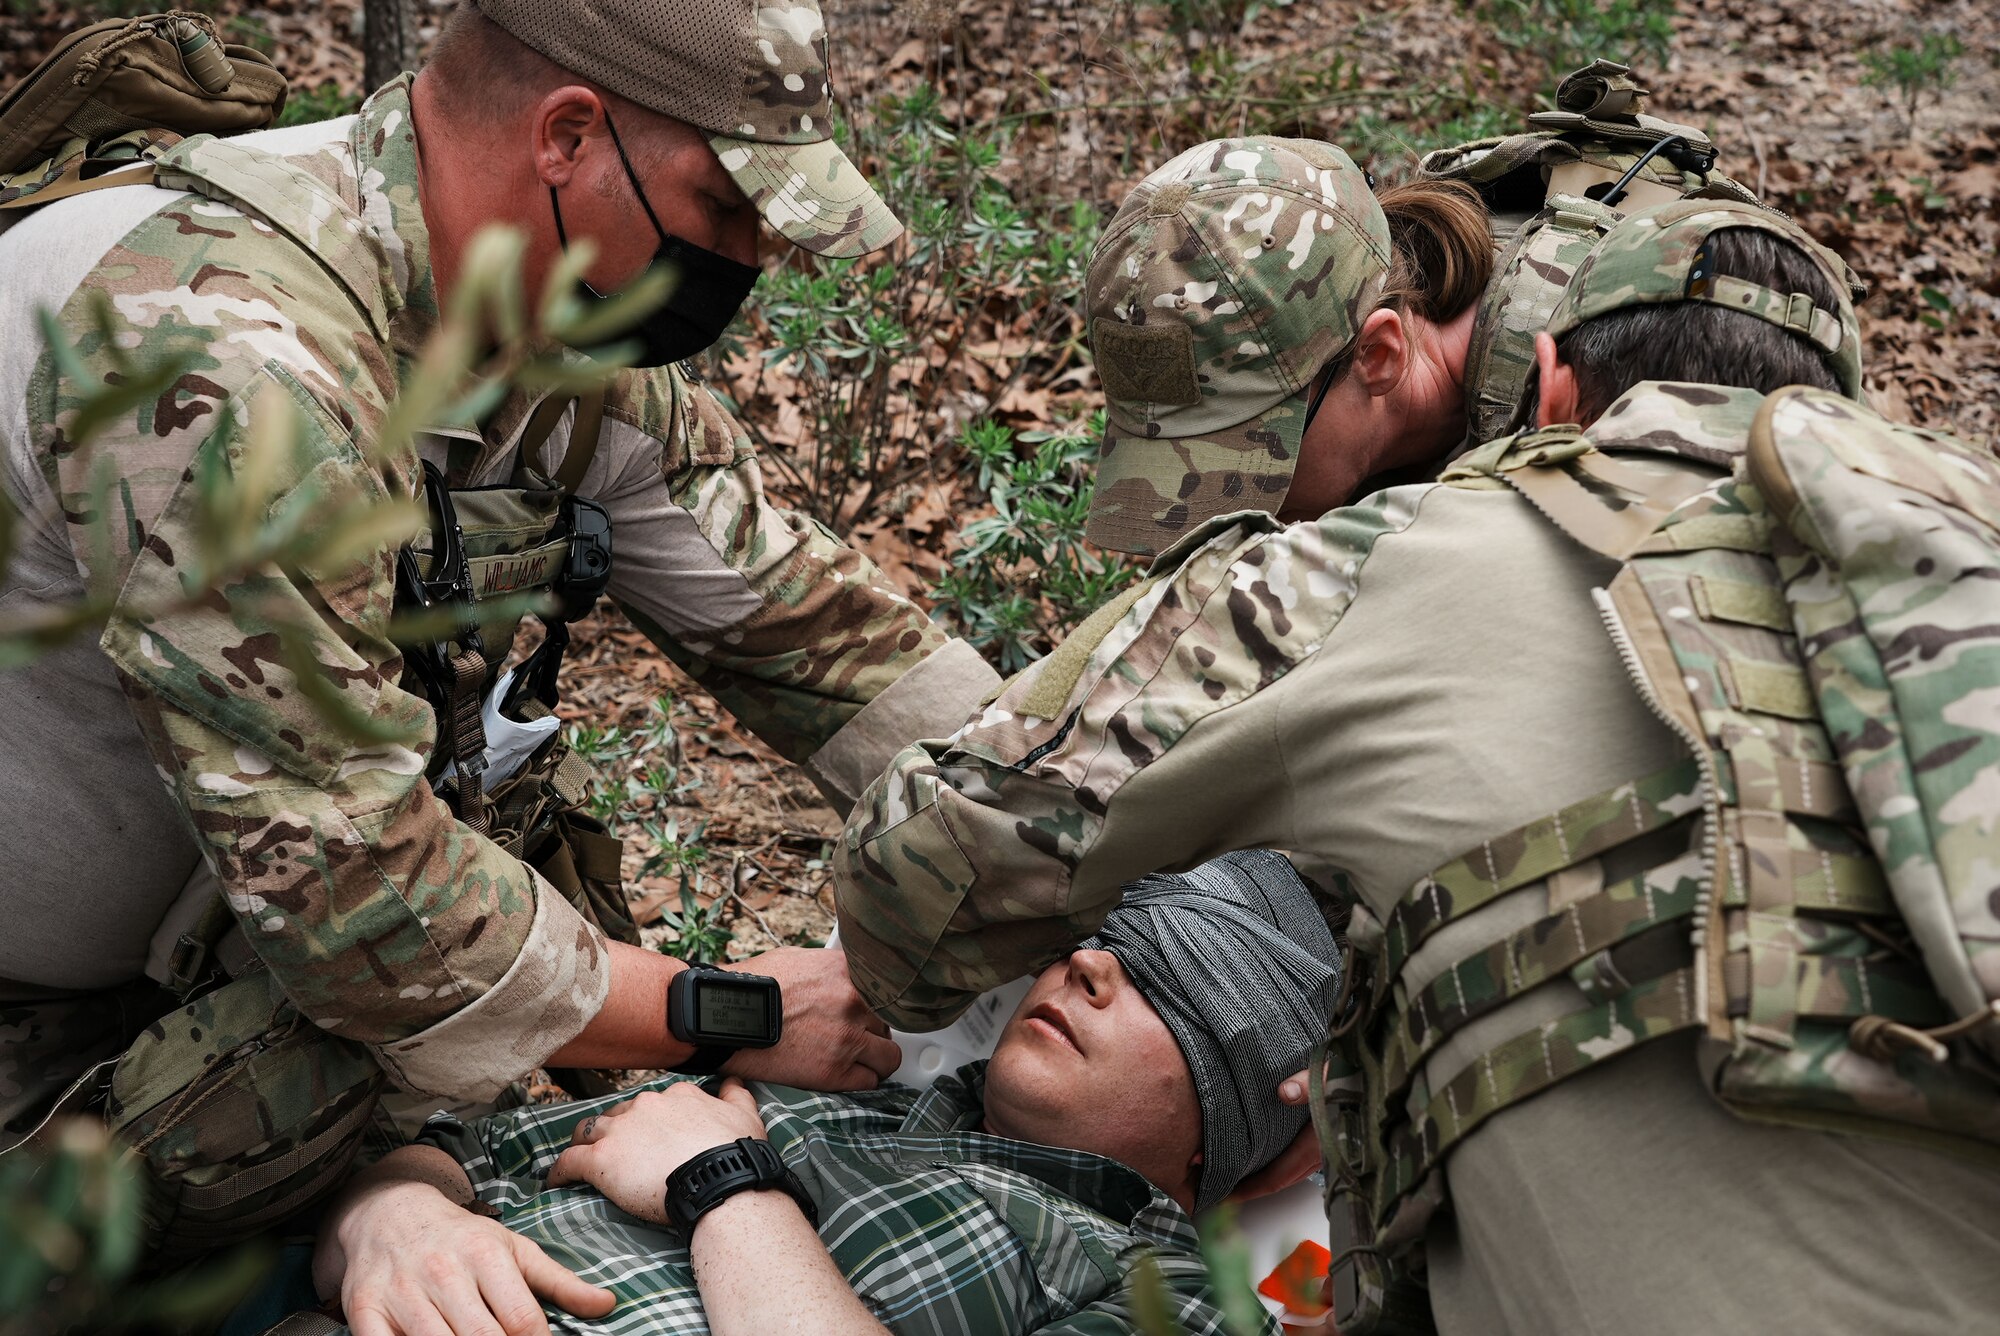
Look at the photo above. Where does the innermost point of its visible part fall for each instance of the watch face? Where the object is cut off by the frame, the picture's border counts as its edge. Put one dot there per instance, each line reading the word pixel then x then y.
pixel 730 1012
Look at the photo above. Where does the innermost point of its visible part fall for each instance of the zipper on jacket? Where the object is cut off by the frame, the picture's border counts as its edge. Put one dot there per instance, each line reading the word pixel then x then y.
pixel 1711 798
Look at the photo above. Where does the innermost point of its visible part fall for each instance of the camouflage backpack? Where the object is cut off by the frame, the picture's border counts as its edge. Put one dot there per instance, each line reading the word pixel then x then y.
pixel 1890 555
pixel 1812 890
pixel 1552 193
pixel 113 95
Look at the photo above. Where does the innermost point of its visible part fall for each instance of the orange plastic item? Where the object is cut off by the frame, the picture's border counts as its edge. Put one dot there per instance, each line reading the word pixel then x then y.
pixel 1299 1282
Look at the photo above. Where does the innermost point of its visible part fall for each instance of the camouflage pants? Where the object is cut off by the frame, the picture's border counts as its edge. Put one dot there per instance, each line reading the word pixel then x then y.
pixel 48 1039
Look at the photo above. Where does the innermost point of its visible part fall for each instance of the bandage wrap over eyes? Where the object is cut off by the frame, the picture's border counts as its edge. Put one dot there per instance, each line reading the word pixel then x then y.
pixel 1239 962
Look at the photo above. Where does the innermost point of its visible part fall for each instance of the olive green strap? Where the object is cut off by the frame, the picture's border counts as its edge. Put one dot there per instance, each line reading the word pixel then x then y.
pixel 1526 1065
pixel 582 440
pixel 465 733
pixel 583 434
pixel 1591 939
pixel 1603 503
pixel 541 425
pixel 72 183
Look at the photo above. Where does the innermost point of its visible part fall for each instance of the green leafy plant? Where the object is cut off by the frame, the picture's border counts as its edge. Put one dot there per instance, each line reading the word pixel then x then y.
pixel 1023 576
pixel 639 776
pixel 70 1245
pixel 1915 70
pixel 1227 1254
pixel 865 348
pixel 699 934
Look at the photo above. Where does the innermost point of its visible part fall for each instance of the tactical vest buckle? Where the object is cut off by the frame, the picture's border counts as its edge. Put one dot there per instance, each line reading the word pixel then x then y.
pixel 586 570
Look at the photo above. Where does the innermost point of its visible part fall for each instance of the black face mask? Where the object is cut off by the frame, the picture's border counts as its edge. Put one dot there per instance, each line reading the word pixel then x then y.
pixel 708 288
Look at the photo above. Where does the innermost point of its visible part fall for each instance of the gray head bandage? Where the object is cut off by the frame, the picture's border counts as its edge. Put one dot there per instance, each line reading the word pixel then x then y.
pixel 1238 961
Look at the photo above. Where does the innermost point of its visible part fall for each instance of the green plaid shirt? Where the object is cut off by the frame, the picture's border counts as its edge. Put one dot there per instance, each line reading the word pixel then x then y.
pixel 939 1227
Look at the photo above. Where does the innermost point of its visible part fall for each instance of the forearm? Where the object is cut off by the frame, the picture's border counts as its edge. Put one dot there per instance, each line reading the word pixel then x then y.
pixel 797 633
pixel 406 1166
pixel 762 1271
pixel 630 1030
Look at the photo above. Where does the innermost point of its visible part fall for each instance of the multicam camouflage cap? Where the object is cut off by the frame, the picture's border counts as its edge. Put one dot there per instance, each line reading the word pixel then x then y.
pixel 1226 282
pixel 1662 255
pixel 752 73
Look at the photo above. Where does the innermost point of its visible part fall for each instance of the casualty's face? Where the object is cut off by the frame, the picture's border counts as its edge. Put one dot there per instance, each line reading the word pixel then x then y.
pixel 1086 1063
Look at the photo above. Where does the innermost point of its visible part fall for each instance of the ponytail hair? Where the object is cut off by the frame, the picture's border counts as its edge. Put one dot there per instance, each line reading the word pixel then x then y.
pixel 1443 248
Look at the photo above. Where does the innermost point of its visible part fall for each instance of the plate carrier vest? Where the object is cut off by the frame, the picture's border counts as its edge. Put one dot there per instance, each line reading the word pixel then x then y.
pixel 1740 893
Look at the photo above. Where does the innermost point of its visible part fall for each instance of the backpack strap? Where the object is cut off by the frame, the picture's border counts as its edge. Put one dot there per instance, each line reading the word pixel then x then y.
pixel 582 440
pixel 583 435
pixel 72 182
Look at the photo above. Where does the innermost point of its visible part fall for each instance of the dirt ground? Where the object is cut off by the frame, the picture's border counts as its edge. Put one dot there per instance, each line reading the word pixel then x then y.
pixel 1096 95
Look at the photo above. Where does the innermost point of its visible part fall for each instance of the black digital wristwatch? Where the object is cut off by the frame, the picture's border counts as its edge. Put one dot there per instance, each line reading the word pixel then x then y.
pixel 714 1176
pixel 720 1011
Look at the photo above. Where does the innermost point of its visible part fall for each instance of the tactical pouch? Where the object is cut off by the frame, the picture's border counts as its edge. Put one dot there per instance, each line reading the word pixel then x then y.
pixel 243 1112
pixel 540 817
pixel 113 94
pixel 1372 1292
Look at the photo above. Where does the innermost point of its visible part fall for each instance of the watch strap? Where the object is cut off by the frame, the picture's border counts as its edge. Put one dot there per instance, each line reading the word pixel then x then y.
pixel 706 1060
pixel 714 1176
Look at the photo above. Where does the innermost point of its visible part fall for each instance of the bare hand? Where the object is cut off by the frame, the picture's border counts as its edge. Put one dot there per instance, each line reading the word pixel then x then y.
pixel 1295 1162
pixel 831 1041
pixel 418 1265
pixel 627 1151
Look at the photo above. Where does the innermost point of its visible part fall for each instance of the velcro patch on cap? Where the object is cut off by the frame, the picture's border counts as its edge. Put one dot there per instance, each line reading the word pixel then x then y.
pixel 1151 364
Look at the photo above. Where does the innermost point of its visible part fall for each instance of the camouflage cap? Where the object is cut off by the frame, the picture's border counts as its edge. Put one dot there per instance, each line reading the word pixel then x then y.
pixel 1227 280
pixel 1662 255
pixel 752 73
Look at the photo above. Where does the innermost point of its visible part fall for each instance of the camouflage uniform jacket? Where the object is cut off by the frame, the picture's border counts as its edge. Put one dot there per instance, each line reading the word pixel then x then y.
pixel 1375 693
pixel 386 920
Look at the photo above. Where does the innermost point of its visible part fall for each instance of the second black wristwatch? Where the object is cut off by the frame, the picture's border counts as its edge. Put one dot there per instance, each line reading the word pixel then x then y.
pixel 714 1176
pixel 720 1011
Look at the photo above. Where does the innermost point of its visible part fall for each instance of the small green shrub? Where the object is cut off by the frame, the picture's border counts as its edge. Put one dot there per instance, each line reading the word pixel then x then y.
pixel 872 346
pixel 1023 576
pixel 639 776
pixel 1915 70
pixel 70 1236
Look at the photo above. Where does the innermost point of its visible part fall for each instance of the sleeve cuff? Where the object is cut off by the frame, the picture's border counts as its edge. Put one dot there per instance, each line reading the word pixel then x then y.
pixel 931 700
pixel 555 986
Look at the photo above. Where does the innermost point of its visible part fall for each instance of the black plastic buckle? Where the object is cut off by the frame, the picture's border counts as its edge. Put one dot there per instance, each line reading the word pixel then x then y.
pixel 448 586
pixel 586 568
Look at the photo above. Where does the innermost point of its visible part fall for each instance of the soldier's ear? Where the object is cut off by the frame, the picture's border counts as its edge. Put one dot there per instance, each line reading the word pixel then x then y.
pixel 1381 352
pixel 1558 401
pixel 561 124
